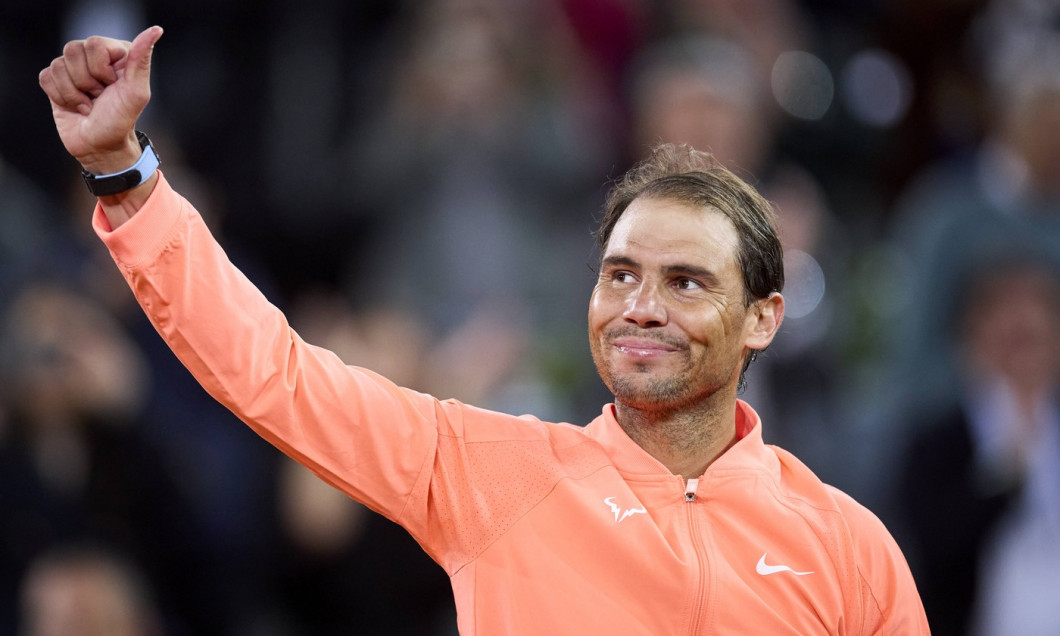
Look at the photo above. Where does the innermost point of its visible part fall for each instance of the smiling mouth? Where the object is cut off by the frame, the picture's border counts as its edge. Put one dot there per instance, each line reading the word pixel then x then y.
pixel 642 347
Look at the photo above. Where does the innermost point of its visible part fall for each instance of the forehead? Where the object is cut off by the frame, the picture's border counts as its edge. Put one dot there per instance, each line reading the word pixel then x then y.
pixel 666 229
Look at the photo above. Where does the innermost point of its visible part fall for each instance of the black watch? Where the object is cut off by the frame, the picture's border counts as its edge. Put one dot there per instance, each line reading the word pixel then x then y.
pixel 145 166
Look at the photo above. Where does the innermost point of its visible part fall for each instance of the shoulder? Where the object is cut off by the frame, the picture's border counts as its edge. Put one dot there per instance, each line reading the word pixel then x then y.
pixel 479 425
pixel 839 519
pixel 499 443
pixel 835 509
pixel 889 595
pixel 876 576
pixel 868 533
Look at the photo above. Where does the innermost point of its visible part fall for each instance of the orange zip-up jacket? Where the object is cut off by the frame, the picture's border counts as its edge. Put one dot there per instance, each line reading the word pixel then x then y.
pixel 543 528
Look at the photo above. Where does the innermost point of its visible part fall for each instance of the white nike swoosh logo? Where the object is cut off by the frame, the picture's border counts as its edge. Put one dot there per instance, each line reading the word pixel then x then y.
pixel 765 569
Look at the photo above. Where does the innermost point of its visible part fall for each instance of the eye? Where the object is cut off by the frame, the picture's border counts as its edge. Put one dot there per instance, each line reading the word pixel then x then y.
pixel 623 276
pixel 687 284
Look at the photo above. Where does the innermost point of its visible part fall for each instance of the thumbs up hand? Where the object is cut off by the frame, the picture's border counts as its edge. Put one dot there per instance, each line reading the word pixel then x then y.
pixel 98 87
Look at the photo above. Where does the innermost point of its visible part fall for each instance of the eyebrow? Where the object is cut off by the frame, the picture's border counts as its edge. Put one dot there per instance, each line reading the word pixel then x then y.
pixel 619 261
pixel 683 270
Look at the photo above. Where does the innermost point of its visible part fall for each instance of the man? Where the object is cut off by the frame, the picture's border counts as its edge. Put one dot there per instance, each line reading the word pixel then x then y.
pixel 667 514
pixel 86 591
pixel 980 480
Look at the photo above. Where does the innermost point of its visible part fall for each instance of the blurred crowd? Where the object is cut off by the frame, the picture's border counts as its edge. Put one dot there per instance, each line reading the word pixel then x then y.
pixel 415 183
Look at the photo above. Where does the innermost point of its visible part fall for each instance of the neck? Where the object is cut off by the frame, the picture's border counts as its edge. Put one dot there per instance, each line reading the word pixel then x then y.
pixel 685 440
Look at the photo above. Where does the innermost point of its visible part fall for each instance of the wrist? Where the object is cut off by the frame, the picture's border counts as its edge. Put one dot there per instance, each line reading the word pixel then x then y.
pixel 115 159
pixel 121 207
pixel 134 169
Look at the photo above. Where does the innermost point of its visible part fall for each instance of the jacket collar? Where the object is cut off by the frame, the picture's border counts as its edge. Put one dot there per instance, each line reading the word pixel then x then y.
pixel 749 451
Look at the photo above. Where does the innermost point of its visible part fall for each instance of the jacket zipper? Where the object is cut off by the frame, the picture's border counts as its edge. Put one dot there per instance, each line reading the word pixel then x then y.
pixel 697 546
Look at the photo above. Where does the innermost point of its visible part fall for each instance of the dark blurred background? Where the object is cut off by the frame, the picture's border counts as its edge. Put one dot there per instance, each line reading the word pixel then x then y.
pixel 416 183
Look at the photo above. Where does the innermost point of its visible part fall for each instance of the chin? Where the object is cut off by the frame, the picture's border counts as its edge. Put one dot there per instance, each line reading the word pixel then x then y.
pixel 648 392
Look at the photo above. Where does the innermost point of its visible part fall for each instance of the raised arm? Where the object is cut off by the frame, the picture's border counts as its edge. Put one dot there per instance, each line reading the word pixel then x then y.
pixel 98 87
pixel 357 430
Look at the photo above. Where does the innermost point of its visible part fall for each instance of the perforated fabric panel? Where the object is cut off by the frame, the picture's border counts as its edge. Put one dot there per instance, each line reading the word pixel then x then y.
pixel 487 487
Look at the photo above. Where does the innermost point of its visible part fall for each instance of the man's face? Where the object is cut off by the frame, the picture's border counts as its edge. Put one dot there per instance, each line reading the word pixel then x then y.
pixel 667 322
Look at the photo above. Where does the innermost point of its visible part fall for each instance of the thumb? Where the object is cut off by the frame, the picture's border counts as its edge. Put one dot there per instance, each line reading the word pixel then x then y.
pixel 138 67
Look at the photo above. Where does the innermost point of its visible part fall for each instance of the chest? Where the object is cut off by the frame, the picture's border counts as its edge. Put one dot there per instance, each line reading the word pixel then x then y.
pixel 642 557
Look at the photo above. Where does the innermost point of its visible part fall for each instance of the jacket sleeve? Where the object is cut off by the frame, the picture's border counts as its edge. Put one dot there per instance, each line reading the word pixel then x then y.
pixel 890 603
pixel 359 432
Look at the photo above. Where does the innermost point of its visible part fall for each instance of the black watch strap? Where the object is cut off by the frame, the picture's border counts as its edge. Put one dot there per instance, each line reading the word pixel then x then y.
pixel 145 166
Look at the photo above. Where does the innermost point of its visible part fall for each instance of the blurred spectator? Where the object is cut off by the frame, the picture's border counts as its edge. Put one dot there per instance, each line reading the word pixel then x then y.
pixel 1003 191
pixel 999 194
pixel 705 91
pixel 86 592
pixel 29 219
pixel 980 483
pixel 342 569
pixel 765 28
pixel 604 36
pixel 75 463
pixel 480 179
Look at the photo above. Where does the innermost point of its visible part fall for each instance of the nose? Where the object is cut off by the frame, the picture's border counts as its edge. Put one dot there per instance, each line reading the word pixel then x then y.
pixel 644 307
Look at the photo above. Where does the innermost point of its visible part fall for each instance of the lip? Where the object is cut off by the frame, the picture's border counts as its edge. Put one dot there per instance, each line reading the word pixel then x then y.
pixel 642 347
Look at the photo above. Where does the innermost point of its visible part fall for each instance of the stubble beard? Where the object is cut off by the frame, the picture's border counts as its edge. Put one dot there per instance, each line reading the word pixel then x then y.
pixel 656 391
pixel 646 387
pixel 651 390
pixel 640 390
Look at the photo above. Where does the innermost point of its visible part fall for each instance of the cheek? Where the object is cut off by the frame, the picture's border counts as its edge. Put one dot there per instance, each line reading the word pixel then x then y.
pixel 600 310
pixel 713 326
pixel 731 319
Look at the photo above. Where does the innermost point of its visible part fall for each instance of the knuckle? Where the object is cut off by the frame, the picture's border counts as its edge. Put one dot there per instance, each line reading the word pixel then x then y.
pixel 94 45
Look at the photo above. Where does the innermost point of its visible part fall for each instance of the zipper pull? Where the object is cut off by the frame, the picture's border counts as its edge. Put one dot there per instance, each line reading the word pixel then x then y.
pixel 690 489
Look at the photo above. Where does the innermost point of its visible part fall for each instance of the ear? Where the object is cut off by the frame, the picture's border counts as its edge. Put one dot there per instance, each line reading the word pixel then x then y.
pixel 764 318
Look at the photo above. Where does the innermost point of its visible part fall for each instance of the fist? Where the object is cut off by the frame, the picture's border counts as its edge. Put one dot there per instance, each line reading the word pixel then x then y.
pixel 98 87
